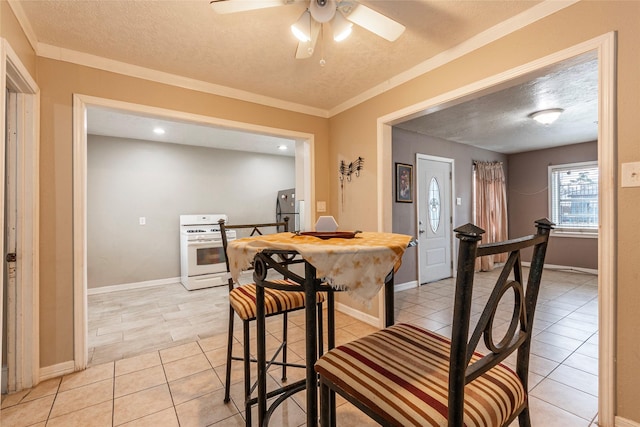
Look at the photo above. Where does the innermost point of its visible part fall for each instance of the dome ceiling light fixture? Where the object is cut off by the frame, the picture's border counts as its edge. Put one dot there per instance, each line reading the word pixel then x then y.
pixel 340 14
pixel 546 117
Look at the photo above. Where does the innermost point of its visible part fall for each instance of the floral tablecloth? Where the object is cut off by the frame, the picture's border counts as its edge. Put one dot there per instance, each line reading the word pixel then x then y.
pixel 358 265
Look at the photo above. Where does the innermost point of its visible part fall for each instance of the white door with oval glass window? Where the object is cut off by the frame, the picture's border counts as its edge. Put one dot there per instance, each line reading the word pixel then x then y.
pixel 434 189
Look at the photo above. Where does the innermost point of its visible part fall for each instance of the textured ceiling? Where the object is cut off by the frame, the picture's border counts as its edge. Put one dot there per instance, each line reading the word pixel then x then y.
pixel 108 122
pixel 500 121
pixel 254 50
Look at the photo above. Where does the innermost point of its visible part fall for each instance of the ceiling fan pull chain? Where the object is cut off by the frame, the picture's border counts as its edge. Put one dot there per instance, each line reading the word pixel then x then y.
pixel 322 61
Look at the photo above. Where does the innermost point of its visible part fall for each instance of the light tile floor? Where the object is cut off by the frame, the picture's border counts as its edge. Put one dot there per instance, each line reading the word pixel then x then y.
pixel 180 382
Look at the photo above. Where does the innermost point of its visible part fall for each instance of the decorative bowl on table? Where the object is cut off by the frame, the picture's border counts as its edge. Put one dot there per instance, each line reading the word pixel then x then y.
pixel 330 234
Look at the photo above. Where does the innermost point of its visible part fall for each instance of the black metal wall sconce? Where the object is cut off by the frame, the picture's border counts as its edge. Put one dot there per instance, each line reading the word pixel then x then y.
pixel 346 170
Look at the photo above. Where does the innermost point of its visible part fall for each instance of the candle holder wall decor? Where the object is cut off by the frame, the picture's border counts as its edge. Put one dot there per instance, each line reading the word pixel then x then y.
pixel 346 170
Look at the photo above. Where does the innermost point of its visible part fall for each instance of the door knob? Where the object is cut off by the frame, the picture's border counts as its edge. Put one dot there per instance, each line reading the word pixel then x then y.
pixel 421 230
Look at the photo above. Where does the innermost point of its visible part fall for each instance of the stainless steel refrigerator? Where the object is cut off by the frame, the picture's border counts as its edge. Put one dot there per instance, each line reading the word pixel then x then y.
pixel 288 205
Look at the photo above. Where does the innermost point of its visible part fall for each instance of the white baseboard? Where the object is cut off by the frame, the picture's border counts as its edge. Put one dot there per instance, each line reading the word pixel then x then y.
pixel 135 285
pixel 566 268
pixel 366 318
pixel 623 422
pixel 405 286
pixel 58 370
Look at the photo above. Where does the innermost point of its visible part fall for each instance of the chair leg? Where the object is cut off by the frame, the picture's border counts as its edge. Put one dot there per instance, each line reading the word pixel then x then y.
pixel 324 404
pixel 320 331
pixel 227 383
pixel 332 407
pixel 247 373
pixel 331 320
pixel 285 324
pixel 523 419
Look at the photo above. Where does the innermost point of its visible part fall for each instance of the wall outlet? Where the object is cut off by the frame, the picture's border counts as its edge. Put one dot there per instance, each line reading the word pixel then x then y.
pixel 321 206
pixel 142 220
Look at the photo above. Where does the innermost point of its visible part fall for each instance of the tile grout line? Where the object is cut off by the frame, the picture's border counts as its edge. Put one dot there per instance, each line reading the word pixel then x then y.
pixel 563 317
pixel 173 403
pixel 563 361
pixel 113 397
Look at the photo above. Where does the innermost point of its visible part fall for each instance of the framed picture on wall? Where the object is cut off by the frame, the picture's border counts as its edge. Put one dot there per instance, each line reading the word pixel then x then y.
pixel 404 183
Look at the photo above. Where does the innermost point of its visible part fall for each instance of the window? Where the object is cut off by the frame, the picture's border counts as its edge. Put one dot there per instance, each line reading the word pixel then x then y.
pixel 434 204
pixel 573 198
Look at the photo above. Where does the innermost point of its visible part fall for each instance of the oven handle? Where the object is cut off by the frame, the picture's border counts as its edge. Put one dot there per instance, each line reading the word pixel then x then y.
pixel 203 241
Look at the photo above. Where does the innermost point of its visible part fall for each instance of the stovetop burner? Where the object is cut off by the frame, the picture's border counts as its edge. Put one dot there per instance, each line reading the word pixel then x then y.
pixel 196 226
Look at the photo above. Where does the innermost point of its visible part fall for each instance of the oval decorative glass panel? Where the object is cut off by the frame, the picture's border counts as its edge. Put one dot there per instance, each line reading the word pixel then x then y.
pixel 434 204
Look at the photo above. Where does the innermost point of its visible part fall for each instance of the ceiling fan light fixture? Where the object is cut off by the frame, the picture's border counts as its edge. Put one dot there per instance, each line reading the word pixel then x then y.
pixel 341 27
pixel 302 28
pixel 376 22
pixel 546 117
pixel 223 7
pixel 322 10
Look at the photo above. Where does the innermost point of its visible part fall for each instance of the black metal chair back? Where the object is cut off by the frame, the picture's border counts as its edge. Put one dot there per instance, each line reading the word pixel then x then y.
pixel 518 335
pixel 407 374
pixel 256 229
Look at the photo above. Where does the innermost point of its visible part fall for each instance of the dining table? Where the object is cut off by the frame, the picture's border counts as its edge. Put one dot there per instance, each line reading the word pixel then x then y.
pixel 358 263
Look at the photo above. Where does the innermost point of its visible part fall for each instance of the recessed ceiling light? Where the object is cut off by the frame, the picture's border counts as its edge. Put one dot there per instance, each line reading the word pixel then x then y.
pixel 282 147
pixel 158 131
pixel 546 117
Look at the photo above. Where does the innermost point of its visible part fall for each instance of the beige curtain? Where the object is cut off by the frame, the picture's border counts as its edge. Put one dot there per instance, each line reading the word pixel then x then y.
pixel 491 208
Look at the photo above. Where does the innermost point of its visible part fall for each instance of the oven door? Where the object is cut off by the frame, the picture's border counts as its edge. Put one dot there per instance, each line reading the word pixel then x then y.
pixel 205 256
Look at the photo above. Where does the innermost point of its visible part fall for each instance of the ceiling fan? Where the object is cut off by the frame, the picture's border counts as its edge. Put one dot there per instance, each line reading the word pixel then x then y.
pixel 342 14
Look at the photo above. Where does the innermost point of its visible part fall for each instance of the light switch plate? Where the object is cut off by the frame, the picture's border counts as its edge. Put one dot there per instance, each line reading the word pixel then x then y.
pixel 458 201
pixel 631 174
pixel 321 206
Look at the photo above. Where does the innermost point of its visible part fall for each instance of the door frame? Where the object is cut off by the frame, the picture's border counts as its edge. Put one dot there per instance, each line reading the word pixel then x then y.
pixel 24 370
pixel 605 47
pixel 305 173
pixel 452 209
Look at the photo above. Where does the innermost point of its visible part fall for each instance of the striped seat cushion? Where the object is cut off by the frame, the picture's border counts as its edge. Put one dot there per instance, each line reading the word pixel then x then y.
pixel 243 300
pixel 402 374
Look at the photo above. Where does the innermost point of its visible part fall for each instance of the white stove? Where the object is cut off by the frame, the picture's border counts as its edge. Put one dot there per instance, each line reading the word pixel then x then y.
pixel 202 258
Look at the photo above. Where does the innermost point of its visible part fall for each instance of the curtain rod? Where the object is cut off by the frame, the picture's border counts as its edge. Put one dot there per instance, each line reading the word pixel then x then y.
pixel 475 162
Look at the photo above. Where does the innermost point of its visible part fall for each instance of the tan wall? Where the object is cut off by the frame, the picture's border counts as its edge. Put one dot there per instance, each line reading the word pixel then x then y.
pixel 354 133
pixel 58 82
pixel 11 31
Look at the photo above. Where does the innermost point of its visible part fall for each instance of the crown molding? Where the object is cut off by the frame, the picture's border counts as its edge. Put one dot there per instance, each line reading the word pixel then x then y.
pixel 93 61
pixel 18 11
pixel 529 16
pixel 504 28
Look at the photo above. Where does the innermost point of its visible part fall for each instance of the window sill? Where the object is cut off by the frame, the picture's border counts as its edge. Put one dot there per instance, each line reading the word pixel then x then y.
pixel 574 234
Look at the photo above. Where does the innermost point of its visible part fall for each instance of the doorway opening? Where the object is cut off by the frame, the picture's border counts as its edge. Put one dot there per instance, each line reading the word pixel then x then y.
pixel 303 184
pixel 604 48
pixel 19 194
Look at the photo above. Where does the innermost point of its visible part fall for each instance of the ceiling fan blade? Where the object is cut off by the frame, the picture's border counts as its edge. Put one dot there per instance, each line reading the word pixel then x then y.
pixel 305 49
pixel 376 22
pixel 231 6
